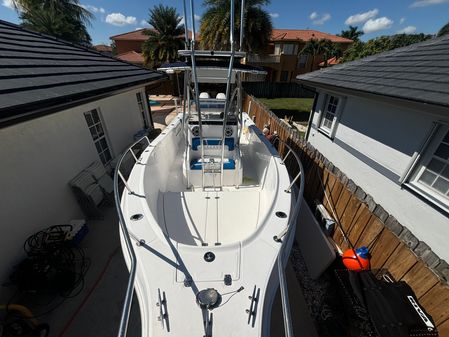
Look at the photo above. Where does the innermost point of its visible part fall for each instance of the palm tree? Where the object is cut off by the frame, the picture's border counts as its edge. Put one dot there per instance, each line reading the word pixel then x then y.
pixel 444 30
pixel 313 48
pixel 64 19
pixel 165 38
pixel 215 25
pixel 329 50
pixel 352 33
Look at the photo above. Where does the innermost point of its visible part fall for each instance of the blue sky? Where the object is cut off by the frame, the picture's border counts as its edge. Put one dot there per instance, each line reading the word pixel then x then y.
pixel 380 17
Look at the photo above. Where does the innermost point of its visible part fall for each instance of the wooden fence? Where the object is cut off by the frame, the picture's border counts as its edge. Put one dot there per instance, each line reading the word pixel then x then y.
pixel 363 223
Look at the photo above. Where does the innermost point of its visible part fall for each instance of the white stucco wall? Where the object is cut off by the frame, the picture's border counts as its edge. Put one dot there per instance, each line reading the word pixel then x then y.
pixel 373 145
pixel 40 157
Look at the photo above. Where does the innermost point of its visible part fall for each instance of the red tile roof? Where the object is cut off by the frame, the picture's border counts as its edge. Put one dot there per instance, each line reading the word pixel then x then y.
pixel 331 62
pixel 304 35
pixel 103 48
pixel 137 35
pixel 276 35
pixel 131 57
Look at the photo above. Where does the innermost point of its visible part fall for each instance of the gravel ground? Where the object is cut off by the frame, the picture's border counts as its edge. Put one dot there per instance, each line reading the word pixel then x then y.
pixel 334 313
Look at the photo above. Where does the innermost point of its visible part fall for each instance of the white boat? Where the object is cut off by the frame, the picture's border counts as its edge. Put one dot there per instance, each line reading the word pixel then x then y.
pixel 207 212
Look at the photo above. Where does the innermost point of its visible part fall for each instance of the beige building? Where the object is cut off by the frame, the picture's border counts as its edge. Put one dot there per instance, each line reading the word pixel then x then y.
pixel 282 59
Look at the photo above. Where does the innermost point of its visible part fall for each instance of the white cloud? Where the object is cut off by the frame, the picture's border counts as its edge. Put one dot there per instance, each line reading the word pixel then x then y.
pixel 401 21
pixel 318 19
pixel 94 9
pixel 407 30
pixel 424 3
pixel 118 19
pixel 8 4
pixel 274 15
pixel 197 17
pixel 313 15
pixel 374 25
pixel 144 23
pixel 362 17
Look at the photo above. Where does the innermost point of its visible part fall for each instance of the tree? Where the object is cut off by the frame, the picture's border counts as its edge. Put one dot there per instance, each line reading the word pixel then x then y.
pixel 444 30
pixel 113 48
pixel 381 44
pixel 64 19
pixel 215 25
pixel 352 33
pixel 313 48
pixel 165 38
pixel 329 50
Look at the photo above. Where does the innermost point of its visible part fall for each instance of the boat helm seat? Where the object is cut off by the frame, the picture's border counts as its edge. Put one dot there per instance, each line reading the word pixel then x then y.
pixel 220 95
pixel 204 95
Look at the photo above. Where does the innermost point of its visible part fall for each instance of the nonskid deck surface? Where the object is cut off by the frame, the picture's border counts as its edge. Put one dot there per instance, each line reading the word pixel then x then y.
pixel 201 218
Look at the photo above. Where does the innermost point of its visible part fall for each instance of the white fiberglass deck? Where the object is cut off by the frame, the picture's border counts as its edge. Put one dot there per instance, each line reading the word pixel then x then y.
pixel 207 218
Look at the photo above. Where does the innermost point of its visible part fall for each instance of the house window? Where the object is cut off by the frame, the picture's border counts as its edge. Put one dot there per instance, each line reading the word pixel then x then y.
pixel 431 177
pixel 328 120
pixel 142 110
pixel 302 61
pixel 98 135
pixel 289 49
pixel 284 76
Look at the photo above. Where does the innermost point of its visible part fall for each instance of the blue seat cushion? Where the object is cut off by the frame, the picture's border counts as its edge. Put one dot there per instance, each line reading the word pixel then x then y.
pixel 229 164
pixel 207 141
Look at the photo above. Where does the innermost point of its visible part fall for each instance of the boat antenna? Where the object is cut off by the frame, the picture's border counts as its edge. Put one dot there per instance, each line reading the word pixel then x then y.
pixel 242 24
pixel 186 31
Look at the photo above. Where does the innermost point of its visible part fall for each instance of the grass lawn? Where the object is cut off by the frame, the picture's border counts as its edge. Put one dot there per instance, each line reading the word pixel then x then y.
pixel 299 108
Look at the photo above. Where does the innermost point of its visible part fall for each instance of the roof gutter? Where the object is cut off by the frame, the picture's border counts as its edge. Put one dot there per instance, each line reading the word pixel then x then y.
pixel 70 102
pixel 411 102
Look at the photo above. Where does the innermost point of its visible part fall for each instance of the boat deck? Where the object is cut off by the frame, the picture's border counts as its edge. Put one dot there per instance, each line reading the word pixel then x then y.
pixel 209 218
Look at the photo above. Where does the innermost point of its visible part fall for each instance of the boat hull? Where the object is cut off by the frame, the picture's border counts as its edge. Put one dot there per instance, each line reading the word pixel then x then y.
pixel 190 239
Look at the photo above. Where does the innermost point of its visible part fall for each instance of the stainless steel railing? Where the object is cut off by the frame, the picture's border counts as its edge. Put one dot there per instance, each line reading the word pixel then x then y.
pixel 124 319
pixel 284 237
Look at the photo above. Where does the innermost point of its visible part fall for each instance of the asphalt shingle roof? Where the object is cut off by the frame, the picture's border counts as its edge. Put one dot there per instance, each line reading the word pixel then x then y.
pixel 419 72
pixel 39 71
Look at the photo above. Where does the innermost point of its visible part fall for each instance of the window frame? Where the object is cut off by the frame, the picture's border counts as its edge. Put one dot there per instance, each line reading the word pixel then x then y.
pixel 99 138
pixel 330 131
pixel 286 78
pixel 286 49
pixel 305 58
pixel 426 154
